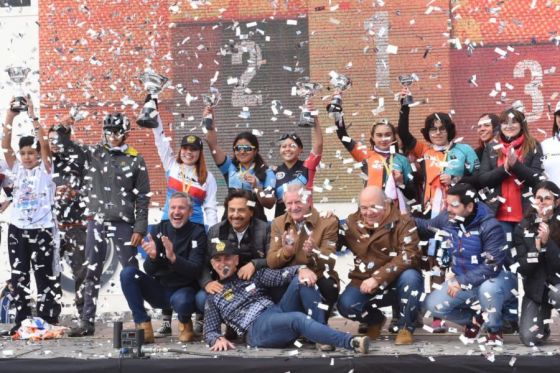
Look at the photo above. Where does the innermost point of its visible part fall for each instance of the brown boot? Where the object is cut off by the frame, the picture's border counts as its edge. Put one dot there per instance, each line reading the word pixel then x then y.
pixel 186 333
pixel 148 331
pixel 404 337
pixel 374 330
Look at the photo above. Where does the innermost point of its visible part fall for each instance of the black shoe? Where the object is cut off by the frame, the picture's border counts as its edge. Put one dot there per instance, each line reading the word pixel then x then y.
pixel 84 328
pixel 164 330
pixel 9 332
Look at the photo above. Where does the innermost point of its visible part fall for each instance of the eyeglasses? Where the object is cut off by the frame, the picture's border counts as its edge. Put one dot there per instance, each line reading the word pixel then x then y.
pixel 437 129
pixel 244 148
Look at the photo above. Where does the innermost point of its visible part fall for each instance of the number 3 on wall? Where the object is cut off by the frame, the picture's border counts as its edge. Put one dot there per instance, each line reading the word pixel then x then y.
pixel 532 88
pixel 241 96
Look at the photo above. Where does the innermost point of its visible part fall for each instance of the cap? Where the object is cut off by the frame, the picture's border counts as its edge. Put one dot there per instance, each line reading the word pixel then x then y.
pixel 223 248
pixel 192 140
pixel 294 137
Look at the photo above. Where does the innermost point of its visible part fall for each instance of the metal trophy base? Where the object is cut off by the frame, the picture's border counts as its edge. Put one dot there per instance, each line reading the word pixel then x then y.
pixel 148 116
pixel 19 105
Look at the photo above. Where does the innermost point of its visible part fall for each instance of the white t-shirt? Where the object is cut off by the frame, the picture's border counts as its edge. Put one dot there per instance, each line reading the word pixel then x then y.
pixel 33 197
pixel 551 159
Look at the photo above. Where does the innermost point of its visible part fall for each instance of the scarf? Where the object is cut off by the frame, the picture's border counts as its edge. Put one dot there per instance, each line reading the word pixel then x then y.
pixel 511 210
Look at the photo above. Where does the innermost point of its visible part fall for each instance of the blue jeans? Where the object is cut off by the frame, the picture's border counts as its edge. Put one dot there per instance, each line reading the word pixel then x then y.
pixel 405 292
pixel 139 287
pixel 459 310
pixel 281 324
pixel 310 299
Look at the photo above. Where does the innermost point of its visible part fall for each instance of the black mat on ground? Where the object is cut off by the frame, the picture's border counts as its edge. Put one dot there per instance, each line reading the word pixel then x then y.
pixel 400 364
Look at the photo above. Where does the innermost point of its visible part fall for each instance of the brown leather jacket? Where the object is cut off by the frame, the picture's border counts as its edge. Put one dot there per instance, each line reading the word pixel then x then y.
pixel 384 252
pixel 324 233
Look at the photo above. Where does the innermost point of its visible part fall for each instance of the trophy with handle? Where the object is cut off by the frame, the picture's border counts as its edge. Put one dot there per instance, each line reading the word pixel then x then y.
pixel 340 83
pixel 18 74
pixel 154 84
pixel 406 81
pixel 210 100
pixel 307 89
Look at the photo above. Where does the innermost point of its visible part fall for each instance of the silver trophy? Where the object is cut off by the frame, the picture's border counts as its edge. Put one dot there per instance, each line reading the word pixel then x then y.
pixel 18 74
pixel 306 89
pixel 77 113
pixel 340 83
pixel 406 81
pixel 154 84
pixel 210 100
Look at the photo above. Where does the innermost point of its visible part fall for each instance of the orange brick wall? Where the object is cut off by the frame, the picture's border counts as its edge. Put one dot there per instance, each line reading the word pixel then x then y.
pixel 92 56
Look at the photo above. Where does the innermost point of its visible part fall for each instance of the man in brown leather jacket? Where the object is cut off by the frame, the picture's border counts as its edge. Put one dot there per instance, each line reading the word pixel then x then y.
pixel 385 245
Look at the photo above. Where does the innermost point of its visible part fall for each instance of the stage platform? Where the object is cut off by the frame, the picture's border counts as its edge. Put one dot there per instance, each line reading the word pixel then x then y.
pixel 430 352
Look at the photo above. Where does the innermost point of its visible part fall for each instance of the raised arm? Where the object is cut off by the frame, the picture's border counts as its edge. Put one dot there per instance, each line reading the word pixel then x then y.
pixel 318 141
pixel 9 154
pixel 40 135
pixel 350 145
pixel 212 139
pixel 163 146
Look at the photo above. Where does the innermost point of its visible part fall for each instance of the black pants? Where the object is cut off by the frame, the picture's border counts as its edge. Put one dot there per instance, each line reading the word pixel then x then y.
pixel 34 249
pixel 532 329
pixel 73 245
pixel 98 237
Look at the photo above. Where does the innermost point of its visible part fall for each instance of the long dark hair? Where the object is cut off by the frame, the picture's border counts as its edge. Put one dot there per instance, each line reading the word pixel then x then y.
pixel 260 165
pixel 530 143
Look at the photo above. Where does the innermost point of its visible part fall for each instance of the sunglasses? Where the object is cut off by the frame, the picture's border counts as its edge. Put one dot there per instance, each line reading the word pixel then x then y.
pixel 244 148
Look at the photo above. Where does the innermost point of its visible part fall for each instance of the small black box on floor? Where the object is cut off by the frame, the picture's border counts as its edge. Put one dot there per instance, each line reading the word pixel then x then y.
pixel 131 343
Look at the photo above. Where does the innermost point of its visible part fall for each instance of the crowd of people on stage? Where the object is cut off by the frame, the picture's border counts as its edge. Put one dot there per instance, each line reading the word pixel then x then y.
pixel 442 231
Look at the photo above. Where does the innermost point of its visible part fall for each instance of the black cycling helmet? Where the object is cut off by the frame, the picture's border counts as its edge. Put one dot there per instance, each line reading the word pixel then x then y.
pixel 116 121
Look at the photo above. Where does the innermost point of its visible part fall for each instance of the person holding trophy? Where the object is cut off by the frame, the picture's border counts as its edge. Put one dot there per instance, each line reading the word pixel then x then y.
pixel 246 169
pixel 382 164
pixel 293 170
pixel 32 243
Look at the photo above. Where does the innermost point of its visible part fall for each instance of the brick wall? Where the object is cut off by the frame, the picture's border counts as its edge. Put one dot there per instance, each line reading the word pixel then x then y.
pixel 91 54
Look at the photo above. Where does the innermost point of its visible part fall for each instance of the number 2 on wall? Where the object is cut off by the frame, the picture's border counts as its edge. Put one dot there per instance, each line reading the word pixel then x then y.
pixel 240 97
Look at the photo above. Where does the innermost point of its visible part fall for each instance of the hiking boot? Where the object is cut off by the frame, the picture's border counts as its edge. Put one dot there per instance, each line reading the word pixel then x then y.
pixel 84 328
pixel 164 330
pixel 473 329
pixel 360 344
pixel 404 337
pixel 374 330
pixel 148 331
pixel 186 333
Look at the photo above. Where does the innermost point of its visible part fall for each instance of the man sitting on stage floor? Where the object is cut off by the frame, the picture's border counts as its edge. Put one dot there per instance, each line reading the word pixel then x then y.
pixel 242 229
pixel 385 245
pixel 175 258
pixel 475 243
pixel 245 306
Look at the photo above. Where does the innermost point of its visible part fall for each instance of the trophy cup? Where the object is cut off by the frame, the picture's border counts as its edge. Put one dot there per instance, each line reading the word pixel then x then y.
pixel 306 89
pixel 406 81
pixel 340 83
pixel 154 84
pixel 210 100
pixel 18 75
pixel 77 114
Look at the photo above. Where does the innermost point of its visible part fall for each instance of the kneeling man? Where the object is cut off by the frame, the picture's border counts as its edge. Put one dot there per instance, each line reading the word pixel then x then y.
pixel 175 258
